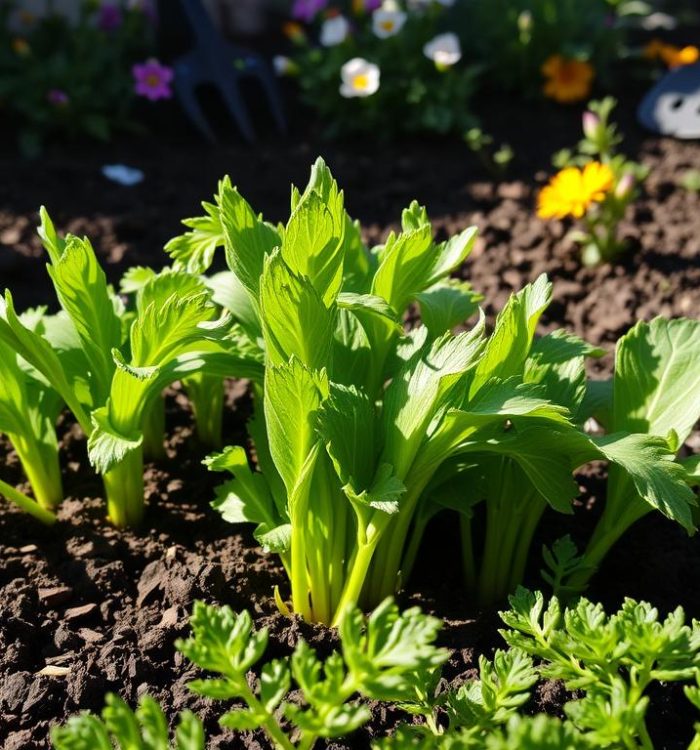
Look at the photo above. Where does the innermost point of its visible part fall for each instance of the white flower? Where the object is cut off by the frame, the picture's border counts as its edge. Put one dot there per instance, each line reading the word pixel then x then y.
pixel 444 50
pixel 359 78
pixel 387 22
pixel 334 31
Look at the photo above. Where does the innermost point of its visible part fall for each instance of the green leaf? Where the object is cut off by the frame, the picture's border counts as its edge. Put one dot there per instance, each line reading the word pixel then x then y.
pixel 33 348
pixel 247 497
pixel 275 682
pixel 124 729
pixel 293 396
pixel 447 304
pixel 81 288
pixel 296 322
pixel 240 720
pixel 405 265
pixel 419 392
pixel 223 642
pixel 390 655
pixel 509 346
pixel 657 478
pixel 248 239
pixel 195 249
pixel 312 246
pixel 557 361
pixel 657 378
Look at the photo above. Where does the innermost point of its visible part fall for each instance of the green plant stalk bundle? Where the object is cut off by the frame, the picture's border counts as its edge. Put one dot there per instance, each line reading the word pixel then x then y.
pixel 109 366
pixel 362 430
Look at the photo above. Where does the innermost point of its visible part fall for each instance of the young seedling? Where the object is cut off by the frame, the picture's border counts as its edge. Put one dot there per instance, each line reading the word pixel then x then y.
pixel 612 660
pixel 29 408
pixel 388 656
pixel 120 728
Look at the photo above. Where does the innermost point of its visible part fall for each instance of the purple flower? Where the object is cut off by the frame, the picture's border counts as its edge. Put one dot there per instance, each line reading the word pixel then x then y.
pixel 57 97
pixel 307 10
pixel 371 5
pixel 152 80
pixel 110 17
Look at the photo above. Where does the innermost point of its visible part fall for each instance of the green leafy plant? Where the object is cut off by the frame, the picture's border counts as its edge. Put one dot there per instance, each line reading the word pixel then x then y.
pixel 595 185
pixel 29 408
pixel 408 75
pixel 654 363
pixel 611 660
pixel 58 79
pixel 120 728
pixel 363 431
pixel 389 656
pixel 340 479
pixel 110 367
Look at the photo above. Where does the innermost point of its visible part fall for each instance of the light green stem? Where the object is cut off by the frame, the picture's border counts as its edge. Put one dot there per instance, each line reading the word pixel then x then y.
pixel 154 428
pixel 42 469
pixel 124 490
pixel 26 503
pixel 206 394
pixel 360 567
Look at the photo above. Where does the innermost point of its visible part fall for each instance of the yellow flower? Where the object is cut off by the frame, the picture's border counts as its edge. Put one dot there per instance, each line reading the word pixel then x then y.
pixel 573 190
pixel 567 80
pixel 674 57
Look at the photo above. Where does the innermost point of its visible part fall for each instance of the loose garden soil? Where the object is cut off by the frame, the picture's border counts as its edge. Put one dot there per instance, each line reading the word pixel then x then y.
pixel 109 605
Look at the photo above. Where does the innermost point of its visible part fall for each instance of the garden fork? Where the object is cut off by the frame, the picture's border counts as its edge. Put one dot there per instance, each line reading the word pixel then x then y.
pixel 215 61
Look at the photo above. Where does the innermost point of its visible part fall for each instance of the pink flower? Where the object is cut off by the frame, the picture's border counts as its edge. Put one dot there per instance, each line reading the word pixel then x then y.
pixel 57 97
pixel 110 17
pixel 152 80
pixel 307 10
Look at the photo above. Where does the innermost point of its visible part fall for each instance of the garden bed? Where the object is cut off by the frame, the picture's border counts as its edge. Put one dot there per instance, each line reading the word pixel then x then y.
pixel 109 604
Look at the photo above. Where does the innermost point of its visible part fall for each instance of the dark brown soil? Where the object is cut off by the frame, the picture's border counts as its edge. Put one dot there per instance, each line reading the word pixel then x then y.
pixel 109 605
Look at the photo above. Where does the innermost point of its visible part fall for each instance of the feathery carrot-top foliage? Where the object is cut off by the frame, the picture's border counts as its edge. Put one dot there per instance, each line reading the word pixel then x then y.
pixel 609 663
pixel 363 430
pixel 109 364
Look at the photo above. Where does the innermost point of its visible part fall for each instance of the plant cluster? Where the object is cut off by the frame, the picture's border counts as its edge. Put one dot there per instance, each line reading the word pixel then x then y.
pixel 107 358
pixel 364 430
pixel 595 185
pixel 372 67
pixel 609 663
pixel 59 78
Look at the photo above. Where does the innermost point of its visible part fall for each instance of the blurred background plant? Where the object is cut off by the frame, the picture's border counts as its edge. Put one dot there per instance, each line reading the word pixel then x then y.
pixel 381 68
pixel 71 78
pixel 558 48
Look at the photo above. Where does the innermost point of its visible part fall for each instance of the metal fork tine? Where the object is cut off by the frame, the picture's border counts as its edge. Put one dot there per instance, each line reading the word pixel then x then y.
pixel 212 61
